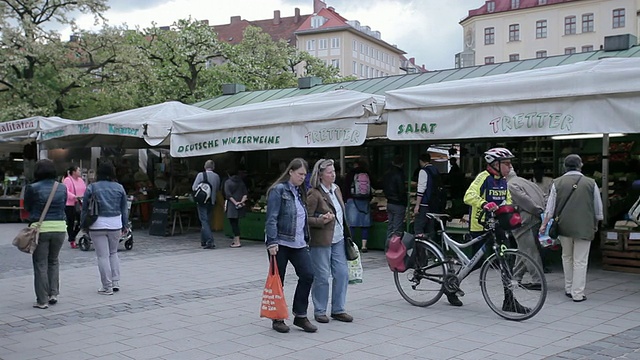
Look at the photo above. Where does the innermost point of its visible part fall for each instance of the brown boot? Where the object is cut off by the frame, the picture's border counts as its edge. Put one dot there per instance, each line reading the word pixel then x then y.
pixel 280 326
pixel 305 324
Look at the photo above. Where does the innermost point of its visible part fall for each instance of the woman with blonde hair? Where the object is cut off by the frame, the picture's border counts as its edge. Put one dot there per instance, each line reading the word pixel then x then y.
pixel 287 235
pixel 329 231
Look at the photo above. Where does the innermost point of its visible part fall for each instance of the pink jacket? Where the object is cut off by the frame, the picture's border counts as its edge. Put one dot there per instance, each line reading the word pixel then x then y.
pixel 75 188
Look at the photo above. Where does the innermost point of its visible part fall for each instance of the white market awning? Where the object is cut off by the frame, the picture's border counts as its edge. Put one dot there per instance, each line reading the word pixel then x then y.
pixel 136 128
pixel 330 119
pixel 588 97
pixel 17 133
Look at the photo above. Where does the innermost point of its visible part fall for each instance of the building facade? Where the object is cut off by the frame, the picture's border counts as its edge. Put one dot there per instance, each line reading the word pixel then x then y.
pixel 511 30
pixel 354 49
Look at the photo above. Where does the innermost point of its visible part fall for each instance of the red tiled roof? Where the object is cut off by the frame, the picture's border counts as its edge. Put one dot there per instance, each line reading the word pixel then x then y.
pixel 505 5
pixel 285 29
pixel 333 20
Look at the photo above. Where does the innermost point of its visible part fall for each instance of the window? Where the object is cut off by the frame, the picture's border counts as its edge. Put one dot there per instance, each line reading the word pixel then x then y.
pixel 335 63
pixel 542 2
pixel 587 48
pixel 541 54
pixel 335 43
pixel 515 4
pixel 322 44
pixel 514 57
pixel 366 50
pixel 370 51
pixel 311 45
pixel 618 18
pixel 570 25
pixel 587 23
pixel 362 70
pixel 355 68
pixel 355 45
pixel 366 72
pixel 541 29
pixel 489 36
pixel 317 21
pixel 514 32
pixel 569 50
pixel 489 60
pixel 491 6
pixel 361 48
pixel 370 72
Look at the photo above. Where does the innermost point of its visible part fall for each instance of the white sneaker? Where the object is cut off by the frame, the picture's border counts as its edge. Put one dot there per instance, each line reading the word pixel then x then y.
pixel 105 291
pixel 53 299
pixel 41 306
pixel 116 286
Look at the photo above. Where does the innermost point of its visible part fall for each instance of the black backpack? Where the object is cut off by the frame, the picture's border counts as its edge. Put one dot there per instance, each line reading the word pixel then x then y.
pixel 203 191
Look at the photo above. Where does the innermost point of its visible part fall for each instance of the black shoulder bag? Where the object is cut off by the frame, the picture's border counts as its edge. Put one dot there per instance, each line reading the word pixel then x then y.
pixel 553 230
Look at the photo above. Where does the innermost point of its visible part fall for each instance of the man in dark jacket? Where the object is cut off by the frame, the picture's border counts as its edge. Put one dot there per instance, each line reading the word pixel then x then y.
pixel 395 190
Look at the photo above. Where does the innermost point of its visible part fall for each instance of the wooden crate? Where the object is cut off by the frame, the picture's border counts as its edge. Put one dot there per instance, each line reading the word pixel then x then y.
pixel 613 239
pixel 625 261
pixel 632 241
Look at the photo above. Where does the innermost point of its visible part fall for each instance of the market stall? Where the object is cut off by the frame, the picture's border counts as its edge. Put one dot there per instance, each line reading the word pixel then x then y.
pixel 595 97
pixel 18 153
pixel 333 119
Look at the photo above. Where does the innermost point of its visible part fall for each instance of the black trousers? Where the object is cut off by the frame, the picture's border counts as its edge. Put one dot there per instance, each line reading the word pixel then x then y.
pixel 73 222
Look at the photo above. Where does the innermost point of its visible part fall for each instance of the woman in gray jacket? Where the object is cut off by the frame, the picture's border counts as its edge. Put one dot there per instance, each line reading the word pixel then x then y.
pixel 111 223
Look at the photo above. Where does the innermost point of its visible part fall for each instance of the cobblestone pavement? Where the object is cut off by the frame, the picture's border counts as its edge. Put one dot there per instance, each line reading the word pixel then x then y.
pixel 181 302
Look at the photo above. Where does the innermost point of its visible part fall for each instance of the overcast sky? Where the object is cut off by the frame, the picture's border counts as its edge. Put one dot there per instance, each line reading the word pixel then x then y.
pixel 426 29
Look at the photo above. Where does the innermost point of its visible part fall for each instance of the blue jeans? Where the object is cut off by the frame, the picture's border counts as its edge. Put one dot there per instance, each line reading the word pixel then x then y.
pixel 301 262
pixel 329 261
pixel 204 214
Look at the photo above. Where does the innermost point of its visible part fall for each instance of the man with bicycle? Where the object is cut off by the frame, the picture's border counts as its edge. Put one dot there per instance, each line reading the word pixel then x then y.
pixel 488 191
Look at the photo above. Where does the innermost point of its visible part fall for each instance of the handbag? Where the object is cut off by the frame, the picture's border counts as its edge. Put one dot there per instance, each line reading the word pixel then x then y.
pixel 92 212
pixel 351 249
pixel 273 306
pixel 78 203
pixel 27 239
pixel 553 229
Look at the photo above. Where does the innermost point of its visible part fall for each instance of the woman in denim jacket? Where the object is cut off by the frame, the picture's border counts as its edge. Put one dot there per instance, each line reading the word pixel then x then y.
pixel 287 237
pixel 46 268
pixel 105 233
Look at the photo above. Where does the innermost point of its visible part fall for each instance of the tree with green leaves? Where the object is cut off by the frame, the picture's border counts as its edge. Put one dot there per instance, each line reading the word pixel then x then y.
pixel 182 57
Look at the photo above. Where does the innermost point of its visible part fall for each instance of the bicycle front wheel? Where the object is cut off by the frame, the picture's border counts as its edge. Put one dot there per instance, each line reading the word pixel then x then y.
pixel 422 285
pixel 503 288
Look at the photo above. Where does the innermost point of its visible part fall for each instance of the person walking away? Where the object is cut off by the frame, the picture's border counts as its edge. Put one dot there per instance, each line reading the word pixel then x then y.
pixel 395 190
pixel 110 225
pixel 578 199
pixel 328 233
pixel 542 181
pixel 75 191
pixel 530 201
pixel 358 196
pixel 237 194
pixel 46 264
pixel 287 236
pixel 429 196
pixel 205 210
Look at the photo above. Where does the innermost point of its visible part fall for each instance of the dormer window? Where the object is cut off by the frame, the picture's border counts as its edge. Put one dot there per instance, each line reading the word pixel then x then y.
pixel 515 4
pixel 317 21
pixel 491 6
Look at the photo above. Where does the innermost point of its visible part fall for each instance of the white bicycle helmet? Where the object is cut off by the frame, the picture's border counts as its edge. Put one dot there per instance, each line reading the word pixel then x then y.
pixel 497 154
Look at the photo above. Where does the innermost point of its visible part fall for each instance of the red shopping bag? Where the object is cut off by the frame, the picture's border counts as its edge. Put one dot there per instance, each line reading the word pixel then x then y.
pixel 273 304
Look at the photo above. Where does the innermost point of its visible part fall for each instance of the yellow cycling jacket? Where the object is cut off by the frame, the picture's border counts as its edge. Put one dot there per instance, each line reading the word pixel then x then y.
pixel 484 189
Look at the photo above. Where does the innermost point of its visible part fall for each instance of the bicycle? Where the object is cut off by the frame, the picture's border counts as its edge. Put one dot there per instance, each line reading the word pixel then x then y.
pixel 501 274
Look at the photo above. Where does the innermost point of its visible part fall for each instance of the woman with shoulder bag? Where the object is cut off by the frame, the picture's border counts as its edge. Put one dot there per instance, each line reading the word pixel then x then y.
pixel 75 191
pixel 329 232
pixel 46 267
pixel 110 225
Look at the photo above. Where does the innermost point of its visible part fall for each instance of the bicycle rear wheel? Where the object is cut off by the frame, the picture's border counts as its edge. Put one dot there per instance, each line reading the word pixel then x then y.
pixel 422 285
pixel 505 292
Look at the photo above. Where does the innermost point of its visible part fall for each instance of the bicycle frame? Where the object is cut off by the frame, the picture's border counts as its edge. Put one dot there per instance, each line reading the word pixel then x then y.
pixel 450 244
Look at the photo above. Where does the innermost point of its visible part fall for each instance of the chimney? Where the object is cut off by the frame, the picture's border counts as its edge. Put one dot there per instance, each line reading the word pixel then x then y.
pixel 235 19
pixel 296 17
pixel 412 61
pixel 276 17
pixel 318 5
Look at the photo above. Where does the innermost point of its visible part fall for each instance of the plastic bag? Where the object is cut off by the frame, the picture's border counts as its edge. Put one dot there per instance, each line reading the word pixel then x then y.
pixel 546 240
pixel 355 270
pixel 273 306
